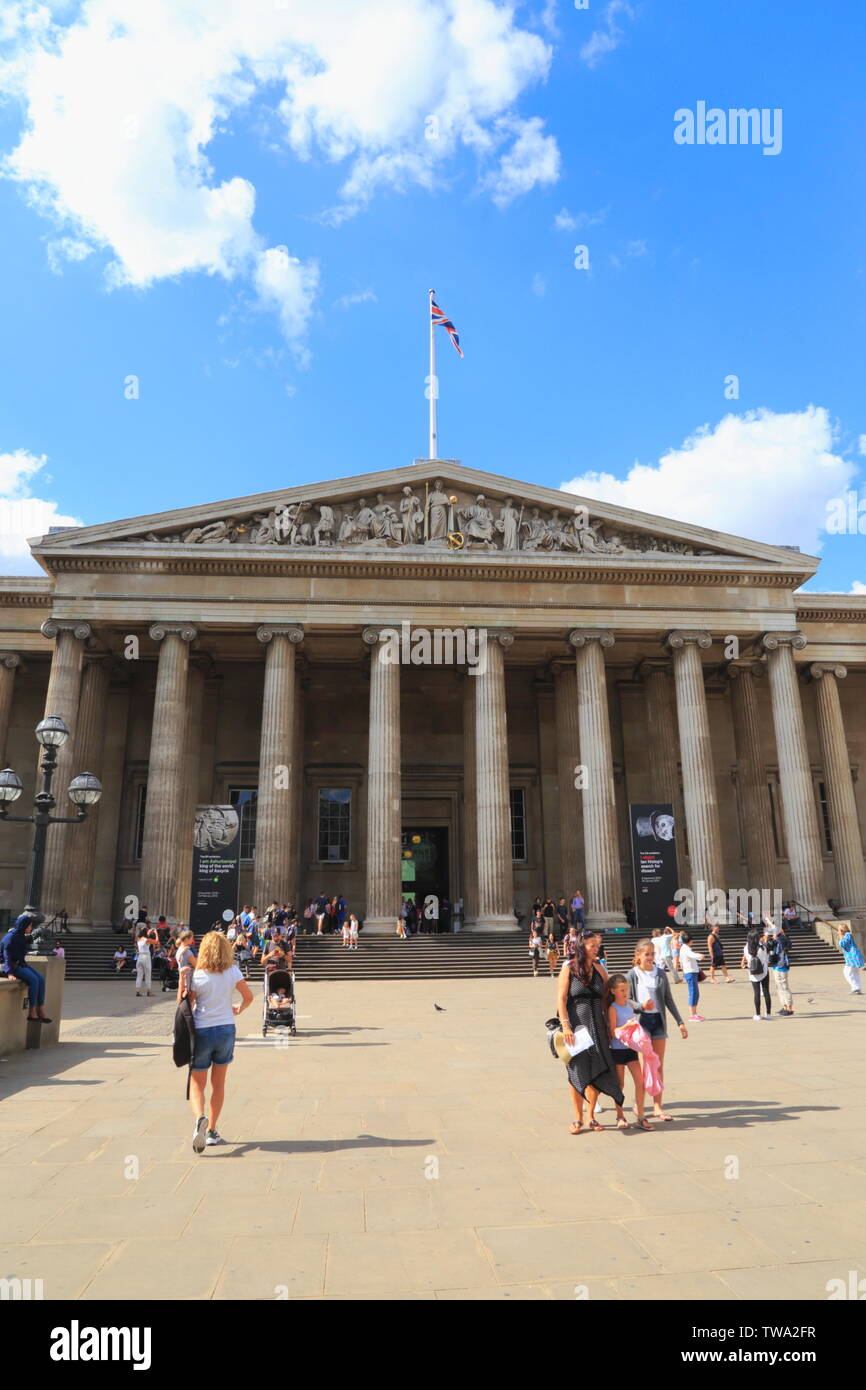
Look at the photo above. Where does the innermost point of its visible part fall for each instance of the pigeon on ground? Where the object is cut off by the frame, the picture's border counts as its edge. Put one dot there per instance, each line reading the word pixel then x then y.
pixel 439 1008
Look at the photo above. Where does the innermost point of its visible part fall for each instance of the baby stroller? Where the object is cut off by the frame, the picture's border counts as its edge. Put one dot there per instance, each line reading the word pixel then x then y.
pixel 169 974
pixel 283 1017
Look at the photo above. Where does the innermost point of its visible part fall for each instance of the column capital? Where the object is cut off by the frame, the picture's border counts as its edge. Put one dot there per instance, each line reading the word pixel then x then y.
pixel 52 627
pixel 503 635
pixel 771 641
pixel 579 636
pixel 268 631
pixel 371 635
pixel 732 670
pixel 682 637
pixel 821 668
pixel 652 666
pixel 185 631
pixel 10 659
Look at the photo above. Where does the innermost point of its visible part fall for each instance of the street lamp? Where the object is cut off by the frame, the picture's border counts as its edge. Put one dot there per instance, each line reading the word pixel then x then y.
pixel 83 791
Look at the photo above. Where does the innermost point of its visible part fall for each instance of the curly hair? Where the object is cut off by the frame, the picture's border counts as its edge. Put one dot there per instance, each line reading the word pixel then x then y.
pixel 215 953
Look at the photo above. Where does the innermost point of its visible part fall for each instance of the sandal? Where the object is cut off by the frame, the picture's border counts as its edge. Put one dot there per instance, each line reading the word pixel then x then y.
pixel 642 1122
pixel 622 1123
pixel 576 1127
pixel 594 1124
pixel 660 1114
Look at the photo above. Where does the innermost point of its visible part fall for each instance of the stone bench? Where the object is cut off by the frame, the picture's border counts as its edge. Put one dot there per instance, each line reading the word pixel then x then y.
pixel 17 1033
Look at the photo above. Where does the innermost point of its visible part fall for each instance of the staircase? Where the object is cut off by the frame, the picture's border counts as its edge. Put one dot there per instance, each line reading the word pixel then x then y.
pixel 465 956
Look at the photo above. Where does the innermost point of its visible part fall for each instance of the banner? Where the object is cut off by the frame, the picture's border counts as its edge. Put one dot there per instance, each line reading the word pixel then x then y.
pixel 654 864
pixel 215 867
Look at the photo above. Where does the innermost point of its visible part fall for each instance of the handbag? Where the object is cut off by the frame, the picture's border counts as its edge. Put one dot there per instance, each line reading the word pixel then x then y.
pixel 701 977
pixel 183 1047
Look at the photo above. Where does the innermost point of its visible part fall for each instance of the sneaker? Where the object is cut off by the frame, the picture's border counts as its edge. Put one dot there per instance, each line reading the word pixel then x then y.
pixel 198 1134
pixel 697 1018
pixel 213 1138
pixel 756 1018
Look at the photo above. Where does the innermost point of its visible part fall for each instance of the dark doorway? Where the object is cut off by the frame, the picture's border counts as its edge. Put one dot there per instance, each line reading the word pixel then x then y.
pixel 425 860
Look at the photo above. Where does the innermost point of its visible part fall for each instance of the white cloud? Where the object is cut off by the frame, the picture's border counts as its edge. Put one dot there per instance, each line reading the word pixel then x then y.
pixel 347 301
pixel 64 249
pixel 761 475
pixel 861 445
pixel 532 159
pixel 122 104
pixel 609 36
pixel 21 514
pixel 564 221
pixel 858 587
pixel 287 285
pixel 539 285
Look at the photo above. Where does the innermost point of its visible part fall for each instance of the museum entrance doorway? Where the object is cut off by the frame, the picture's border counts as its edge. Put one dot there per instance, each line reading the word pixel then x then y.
pixel 425 861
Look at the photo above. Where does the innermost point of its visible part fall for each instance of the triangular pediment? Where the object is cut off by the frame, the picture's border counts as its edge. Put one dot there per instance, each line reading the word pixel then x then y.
pixel 433 505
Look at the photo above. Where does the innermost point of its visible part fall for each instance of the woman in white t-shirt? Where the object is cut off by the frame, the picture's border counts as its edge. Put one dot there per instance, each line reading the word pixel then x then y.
pixel 756 960
pixel 690 964
pixel 214 981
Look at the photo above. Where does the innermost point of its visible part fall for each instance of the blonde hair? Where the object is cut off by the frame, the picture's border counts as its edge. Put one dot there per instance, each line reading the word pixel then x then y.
pixel 185 935
pixel 638 950
pixel 215 954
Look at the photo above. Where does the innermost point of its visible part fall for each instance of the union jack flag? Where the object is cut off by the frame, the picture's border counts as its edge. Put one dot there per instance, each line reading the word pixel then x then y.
pixel 438 317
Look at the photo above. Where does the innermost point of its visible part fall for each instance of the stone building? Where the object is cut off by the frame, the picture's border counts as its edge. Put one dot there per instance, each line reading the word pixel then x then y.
pixel 234 652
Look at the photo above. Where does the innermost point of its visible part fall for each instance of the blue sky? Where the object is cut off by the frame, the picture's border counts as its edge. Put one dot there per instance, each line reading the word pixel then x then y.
pixel 260 368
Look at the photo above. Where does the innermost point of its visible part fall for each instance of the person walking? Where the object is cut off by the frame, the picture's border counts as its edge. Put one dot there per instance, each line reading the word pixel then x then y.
pixel 536 943
pixel 756 961
pixel 675 953
pixel 186 956
pixel 213 983
pixel 651 999
pixel 143 962
pixel 716 952
pixel 779 955
pixel 563 920
pixel 14 947
pixel 577 907
pixel 548 911
pixel 852 955
pixel 552 950
pixel 581 1005
pixel 690 960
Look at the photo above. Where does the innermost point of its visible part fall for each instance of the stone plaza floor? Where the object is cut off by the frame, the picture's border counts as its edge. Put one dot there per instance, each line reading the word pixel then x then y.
pixel 392 1151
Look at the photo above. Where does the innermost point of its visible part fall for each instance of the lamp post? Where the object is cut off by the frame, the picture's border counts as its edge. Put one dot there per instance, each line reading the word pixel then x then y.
pixel 83 791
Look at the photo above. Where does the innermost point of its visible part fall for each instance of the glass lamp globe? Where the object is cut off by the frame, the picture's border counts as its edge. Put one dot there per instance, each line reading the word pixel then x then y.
pixel 52 731
pixel 10 785
pixel 85 790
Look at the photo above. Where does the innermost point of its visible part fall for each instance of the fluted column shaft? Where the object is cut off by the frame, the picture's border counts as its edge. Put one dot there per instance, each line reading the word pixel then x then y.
pixel 841 805
pixel 696 757
pixel 163 814
pixel 278 772
pixel 495 910
pixel 469 886
pixel 601 842
pixel 9 663
pixel 761 861
pixel 64 689
pixel 384 825
pixel 88 757
pixel 662 737
pixel 192 759
pixel 795 774
pixel 567 758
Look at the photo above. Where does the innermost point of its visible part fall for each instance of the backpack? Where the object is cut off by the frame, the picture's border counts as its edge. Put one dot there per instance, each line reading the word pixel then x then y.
pixel 183 1047
pixel 755 964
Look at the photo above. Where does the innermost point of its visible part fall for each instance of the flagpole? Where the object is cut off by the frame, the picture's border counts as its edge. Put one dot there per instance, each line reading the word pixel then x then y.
pixel 433 384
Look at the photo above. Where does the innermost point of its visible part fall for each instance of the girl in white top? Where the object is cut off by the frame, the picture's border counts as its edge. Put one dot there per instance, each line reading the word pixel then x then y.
pixel 353 932
pixel 143 963
pixel 346 933
pixel 690 964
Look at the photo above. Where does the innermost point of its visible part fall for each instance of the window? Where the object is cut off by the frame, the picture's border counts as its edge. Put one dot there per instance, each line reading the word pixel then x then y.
pixel 335 815
pixel 518 825
pixel 139 820
pixel 824 817
pixel 246 800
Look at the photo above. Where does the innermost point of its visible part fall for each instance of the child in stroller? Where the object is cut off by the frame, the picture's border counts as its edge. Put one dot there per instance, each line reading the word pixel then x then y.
pixel 279 1001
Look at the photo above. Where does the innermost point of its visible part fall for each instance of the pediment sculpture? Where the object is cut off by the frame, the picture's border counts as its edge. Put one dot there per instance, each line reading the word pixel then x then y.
pixel 430 517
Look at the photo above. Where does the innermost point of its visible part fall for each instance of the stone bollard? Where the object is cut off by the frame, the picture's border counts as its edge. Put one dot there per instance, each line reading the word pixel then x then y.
pixel 54 970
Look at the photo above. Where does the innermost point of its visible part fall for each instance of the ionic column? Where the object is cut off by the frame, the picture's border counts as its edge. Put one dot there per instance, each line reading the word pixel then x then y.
pixel 795 773
pixel 384 886
pixel 64 688
pixel 469 886
pixel 662 736
pixel 275 822
pixel 841 805
pixel 700 795
pixel 191 771
pixel 567 759
pixel 752 775
pixel 9 663
pixel 163 813
pixel 495 905
pixel 601 841
pixel 87 757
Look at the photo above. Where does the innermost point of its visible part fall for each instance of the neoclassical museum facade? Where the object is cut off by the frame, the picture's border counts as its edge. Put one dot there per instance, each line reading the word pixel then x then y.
pixel 233 653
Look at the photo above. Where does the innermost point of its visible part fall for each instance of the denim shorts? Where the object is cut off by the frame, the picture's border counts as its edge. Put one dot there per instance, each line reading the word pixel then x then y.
pixel 214 1046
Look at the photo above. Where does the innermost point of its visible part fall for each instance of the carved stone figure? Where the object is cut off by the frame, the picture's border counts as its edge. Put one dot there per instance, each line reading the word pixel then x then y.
pixel 477 521
pixel 413 516
pixel 214 533
pixel 537 534
pixel 346 533
pixel 387 524
pixel 323 533
pixel 437 512
pixel 508 523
